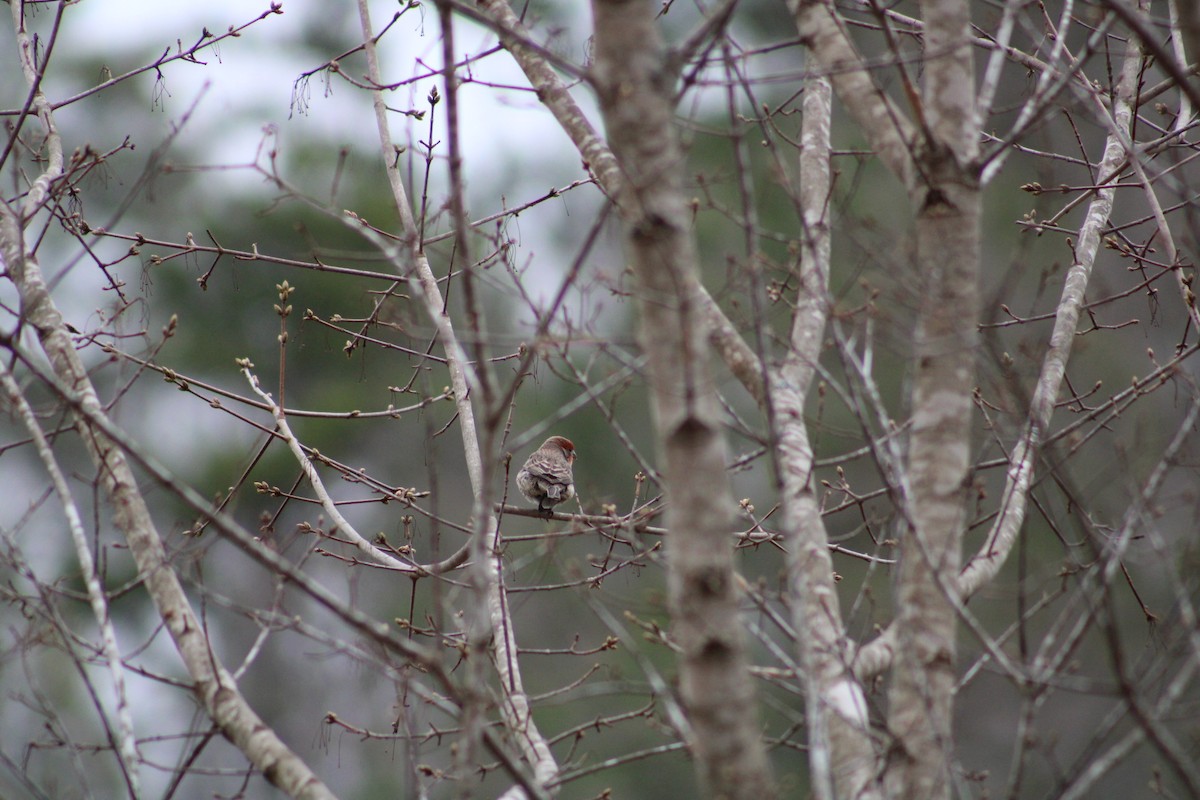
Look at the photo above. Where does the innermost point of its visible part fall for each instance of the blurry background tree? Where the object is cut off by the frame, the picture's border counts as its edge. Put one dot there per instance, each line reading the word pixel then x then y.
pixel 873 326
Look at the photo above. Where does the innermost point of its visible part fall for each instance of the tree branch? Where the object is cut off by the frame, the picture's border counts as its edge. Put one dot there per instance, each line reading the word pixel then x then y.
pixel 492 621
pixel 840 753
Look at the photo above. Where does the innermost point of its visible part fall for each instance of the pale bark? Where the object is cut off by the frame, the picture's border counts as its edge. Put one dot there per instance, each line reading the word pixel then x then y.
pixel 938 170
pixel 723 335
pixel 885 126
pixel 491 620
pixel 876 657
pixel 984 565
pixel 921 698
pixel 636 88
pixel 123 729
pixel 841 756
pixel 214 686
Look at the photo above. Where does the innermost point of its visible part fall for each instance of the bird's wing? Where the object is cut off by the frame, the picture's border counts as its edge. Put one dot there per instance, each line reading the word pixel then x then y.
pixel 550 472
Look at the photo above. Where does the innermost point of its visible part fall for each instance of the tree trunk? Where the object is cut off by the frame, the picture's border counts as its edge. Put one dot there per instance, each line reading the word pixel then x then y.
pixel 636 89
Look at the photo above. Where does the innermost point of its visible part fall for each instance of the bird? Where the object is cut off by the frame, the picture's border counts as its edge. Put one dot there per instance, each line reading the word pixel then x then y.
pixel 546 477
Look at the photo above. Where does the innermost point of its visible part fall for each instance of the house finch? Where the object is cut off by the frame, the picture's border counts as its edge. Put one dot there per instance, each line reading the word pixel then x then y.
pixel 546 477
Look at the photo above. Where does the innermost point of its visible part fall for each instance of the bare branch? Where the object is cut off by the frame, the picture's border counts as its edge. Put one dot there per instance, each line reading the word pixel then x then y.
pixel 127 749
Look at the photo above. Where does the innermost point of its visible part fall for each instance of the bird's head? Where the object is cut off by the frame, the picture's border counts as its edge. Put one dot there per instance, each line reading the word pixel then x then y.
pixel 562 443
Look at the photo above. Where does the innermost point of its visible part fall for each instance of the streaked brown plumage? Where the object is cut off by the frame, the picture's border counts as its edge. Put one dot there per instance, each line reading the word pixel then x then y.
pixel 546 478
